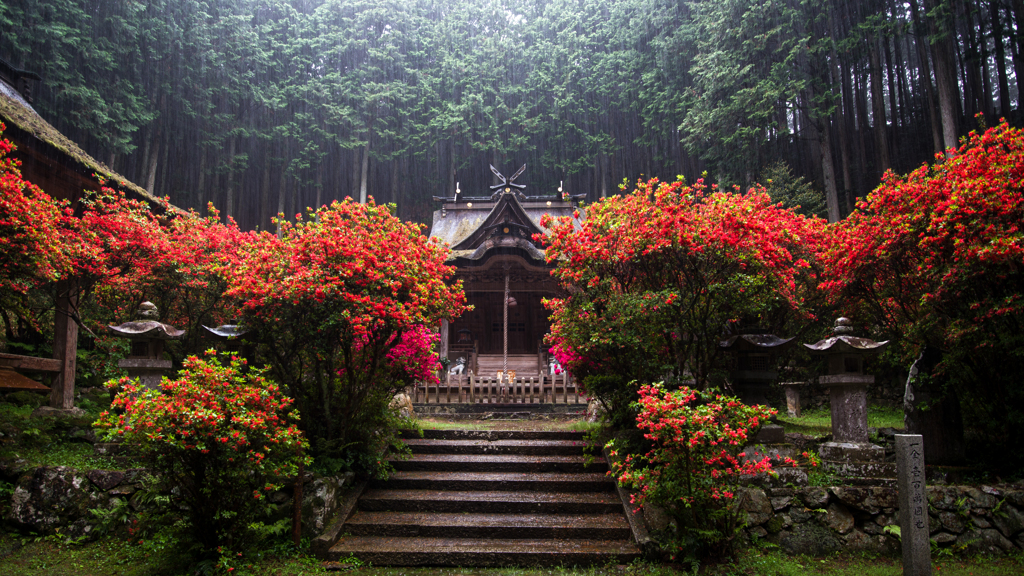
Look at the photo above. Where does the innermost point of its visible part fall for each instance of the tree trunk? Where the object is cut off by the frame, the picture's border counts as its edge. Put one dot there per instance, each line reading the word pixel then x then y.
pixel 862 127
pixel 878 106
pixel 200 199
pixel 921 42
pixel 945 77
pixel 941 423
pixel 229 189
pixel 356 170
pixel 841 124
pixel 319 187
pixel 821 131
pixel 282 191
pixel 364 170
pixel 154 155
pixel 394 183
pixel 451 167
pixel 1017 48
pixel 264 211
pixel 997 37
pixel 602 165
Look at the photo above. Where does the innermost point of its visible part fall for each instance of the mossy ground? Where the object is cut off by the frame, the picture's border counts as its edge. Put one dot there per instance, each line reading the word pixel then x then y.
pixel 112 556
pixel 52 441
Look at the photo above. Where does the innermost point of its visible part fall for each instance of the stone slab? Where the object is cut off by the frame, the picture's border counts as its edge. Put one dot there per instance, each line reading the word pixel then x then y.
pixel 913 504
pixel 851 452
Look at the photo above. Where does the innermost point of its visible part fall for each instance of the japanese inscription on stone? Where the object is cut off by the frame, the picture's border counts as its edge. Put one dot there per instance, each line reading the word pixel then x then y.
pixel 913 505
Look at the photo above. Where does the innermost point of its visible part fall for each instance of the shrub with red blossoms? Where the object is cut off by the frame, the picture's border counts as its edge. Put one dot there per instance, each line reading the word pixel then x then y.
pixel 31 251
pixel 695 462
pixel 223 436
pixel 935 260
pixel 338 306
pixel 656 277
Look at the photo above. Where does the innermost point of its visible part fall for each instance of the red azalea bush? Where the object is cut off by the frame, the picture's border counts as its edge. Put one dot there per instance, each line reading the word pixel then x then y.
pixel 693 467
pixel 338 305
pixel 31 251
pixel 655 276
pixel 935 260
pixel 223 436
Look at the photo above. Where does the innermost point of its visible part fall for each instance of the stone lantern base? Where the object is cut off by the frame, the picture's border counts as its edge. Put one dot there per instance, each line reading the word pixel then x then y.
pixel 149 371
pixel 857 461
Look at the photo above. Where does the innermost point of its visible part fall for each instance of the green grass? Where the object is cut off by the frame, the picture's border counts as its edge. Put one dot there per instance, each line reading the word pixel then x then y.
pixel 772 562
pixel 818 422
pixel 115 557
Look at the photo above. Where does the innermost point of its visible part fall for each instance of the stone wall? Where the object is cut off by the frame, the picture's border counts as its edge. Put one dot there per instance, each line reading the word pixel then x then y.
pixel 58 499
pixel 818 521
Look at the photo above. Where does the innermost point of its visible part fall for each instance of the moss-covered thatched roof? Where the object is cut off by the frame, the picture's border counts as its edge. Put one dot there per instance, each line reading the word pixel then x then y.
pixel 18 115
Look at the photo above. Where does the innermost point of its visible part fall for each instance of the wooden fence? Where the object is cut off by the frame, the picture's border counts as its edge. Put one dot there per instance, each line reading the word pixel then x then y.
pixel 470 389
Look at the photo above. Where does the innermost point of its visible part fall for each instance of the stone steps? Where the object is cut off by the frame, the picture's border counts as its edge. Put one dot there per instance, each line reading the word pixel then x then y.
pixel 499 463
pixel 491 498
pixel 492 435
pixel 483 552
pixel 491 501
pixel 521 447
pixel 490 481
pixel 432 525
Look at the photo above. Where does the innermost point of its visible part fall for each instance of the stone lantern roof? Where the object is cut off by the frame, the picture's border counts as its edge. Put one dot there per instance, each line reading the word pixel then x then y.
pixel 147 328
pixel 844 343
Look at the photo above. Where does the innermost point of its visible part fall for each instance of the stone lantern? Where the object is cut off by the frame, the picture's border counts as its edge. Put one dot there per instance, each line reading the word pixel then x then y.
pixel 231 335
pixel 755 360
pixel 848 385
pixel 147 335
pixel 755 373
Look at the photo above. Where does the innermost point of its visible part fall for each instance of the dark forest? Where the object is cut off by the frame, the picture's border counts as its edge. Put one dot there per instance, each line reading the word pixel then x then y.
pixel 263 107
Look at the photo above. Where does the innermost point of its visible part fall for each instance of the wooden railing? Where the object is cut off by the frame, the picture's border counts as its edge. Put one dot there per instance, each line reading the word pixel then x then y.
pixel 467 388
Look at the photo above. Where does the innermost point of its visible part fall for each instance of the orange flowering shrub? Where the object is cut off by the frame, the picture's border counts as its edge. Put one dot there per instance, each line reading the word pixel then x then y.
pixel 935 259
pixel 31 251
pixel 223 436
pixel 695 462
pixel 655 276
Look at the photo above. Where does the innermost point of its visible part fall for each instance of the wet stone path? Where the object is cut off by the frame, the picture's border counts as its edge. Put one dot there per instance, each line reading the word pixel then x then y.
pixel 490 498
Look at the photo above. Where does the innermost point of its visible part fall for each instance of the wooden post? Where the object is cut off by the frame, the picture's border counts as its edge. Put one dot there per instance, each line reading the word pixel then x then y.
pixel 65 348
pixel 443 340
pixel 297 504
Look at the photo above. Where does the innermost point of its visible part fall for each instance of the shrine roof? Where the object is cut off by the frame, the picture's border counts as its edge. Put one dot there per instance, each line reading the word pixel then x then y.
pixel 457 223
pixel 20 117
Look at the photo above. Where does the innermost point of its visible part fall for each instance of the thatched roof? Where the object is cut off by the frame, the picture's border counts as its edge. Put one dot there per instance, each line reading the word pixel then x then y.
pixel 27 128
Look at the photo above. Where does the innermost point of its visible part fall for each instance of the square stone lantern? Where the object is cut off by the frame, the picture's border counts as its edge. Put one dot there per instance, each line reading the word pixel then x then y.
pixel 145 361
pixel 848 385
pixel 755 372
pixel 231 335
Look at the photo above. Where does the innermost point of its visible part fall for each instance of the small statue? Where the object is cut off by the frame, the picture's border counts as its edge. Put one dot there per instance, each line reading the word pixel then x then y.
pixel 460 365
pixel 554 368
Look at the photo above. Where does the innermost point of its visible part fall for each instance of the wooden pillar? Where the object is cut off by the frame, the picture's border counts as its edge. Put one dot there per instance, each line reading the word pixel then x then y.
pixel 65 349
pixel 442 349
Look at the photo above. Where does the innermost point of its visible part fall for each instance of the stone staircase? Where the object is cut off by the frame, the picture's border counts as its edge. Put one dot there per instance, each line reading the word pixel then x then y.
pixel 490 498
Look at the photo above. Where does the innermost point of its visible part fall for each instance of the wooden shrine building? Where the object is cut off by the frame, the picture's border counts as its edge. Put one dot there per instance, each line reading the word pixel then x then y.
pixel 64 171
pixel 497 259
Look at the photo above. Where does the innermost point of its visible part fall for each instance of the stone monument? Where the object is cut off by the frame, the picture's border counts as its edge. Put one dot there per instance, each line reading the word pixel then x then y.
pixel 914 526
